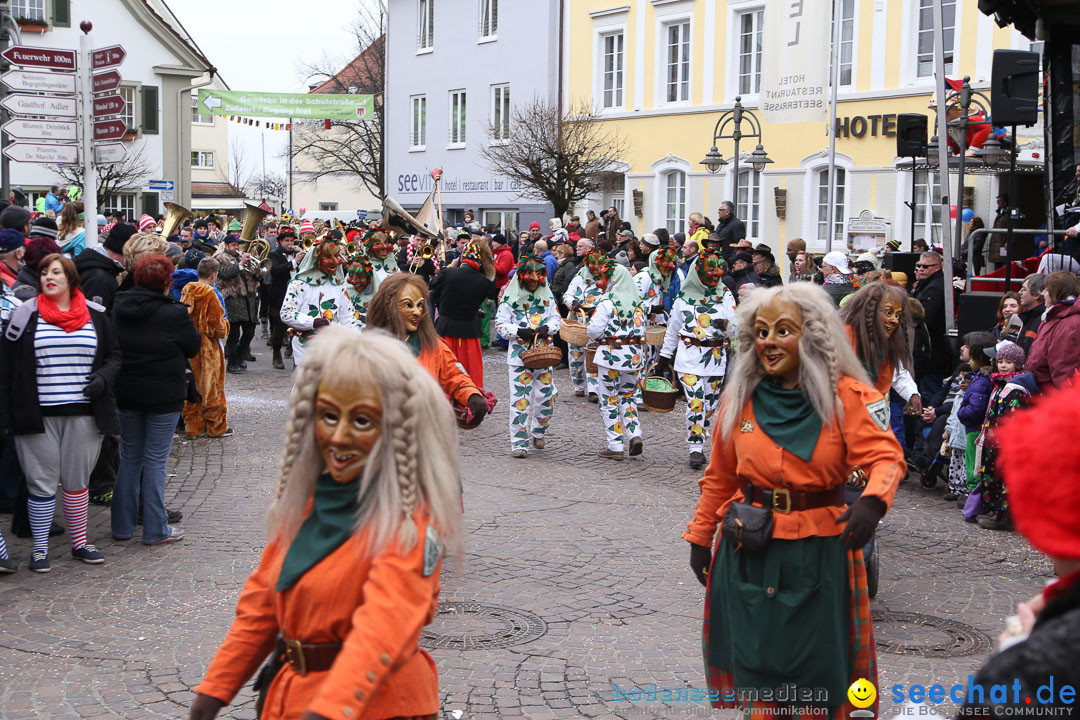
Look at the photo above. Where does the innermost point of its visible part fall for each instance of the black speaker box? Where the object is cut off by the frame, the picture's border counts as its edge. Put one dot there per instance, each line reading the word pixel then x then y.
pixel 1014 88
pixel 911 135
pixel 978 311
pixel 902 262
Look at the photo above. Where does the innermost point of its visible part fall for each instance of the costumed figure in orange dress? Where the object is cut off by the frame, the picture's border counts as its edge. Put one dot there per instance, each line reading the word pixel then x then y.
pixel 368 500
pixel 786 594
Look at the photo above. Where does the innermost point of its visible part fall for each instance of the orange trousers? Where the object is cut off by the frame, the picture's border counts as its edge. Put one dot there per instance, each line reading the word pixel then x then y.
pixel 209 414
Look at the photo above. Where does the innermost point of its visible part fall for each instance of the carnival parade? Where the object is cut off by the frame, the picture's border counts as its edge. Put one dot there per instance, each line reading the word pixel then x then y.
pixel 548 419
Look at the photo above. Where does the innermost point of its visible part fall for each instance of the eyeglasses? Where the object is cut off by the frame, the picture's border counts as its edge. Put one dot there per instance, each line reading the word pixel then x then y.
pixel 923 266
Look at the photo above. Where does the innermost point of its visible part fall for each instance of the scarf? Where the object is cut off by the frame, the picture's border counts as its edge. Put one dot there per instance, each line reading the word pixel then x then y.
pixel 309 272
pixel 518 296
pixel 837 279
pixel 694 292
pixel 70 320
pixel 326 528
pixel 621 291
pixel 412 340
pixel 661 282
pixel 787 417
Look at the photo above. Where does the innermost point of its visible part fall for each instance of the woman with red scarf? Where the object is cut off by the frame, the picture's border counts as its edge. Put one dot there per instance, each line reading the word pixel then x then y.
pixel 57 369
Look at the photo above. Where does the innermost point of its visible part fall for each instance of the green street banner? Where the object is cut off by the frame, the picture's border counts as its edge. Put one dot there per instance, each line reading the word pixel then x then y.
pixel 287 105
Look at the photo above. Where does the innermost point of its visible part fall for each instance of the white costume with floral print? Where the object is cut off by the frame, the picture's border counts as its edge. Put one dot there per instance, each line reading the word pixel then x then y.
pixel 587 294
pixel 619 370
pixel 304 302
pixel 529 389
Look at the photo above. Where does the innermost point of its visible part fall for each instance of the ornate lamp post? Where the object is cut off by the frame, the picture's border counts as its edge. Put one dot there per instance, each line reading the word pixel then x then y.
pixel 730 127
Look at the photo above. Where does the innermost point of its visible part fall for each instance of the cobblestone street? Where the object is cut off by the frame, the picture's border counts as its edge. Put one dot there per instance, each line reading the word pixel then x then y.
pixel 574 578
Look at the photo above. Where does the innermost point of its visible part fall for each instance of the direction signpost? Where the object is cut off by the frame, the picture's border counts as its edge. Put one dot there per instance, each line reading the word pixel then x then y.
pixel 108 57
pixel 58 130
pixel 103 82
pixel 51 58
pixel 50 82
pixel 42 105
pixel 109 153
pixel 109 129
pixel 43 153
pixel 108 105
pixel 287 105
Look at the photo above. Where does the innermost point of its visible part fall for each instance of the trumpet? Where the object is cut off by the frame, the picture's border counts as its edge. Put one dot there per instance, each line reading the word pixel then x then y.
pixel 352 248
pixel 255 266
pixel 307 242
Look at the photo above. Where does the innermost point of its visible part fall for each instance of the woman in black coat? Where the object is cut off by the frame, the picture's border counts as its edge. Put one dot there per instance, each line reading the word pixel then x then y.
pixel 156 338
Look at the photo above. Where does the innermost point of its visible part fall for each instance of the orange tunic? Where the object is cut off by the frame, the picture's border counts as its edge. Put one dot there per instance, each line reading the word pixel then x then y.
pixel 443 365
pixel 883 381
pixel 375 606
pixel 749 455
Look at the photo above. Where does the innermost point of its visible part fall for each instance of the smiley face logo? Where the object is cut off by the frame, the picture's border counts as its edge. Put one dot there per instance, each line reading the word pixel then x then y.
pixel 862 693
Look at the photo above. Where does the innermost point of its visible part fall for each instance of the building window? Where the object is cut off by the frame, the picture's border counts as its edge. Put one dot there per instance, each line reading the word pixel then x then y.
pixel 847 41
pixel 489 19
pixel 501 221
pixel 675 205
pixel 196 118
pixel 677 63
pixel 748 202
pixel 425 33
pixel 750 32
pixel 823 203
pixel 457 118
pixel 928 225
pixel 613 70
pixel 122 202
pixel 925 52
pixel 328 206
pixel 418 130
pixel 500 113
pixel 202 160
pixel 28 9
pixel 619 203
pixel 128 115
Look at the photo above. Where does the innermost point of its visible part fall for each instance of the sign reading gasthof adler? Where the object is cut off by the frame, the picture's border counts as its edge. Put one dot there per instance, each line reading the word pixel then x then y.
pixel 795 63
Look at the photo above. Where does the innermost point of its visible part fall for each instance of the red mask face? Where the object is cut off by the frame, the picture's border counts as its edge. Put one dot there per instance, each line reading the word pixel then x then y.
pixel 777 331
pixel 665 263
pixel 530 280
pixel 328 258
pixel 710 271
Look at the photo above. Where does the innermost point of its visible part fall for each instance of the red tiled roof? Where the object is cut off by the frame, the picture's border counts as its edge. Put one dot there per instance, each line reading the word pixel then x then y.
pixel 355 73
pixel 215 190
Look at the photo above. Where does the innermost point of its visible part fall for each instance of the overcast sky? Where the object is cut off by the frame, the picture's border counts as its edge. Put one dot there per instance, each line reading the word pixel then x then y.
pixel 262 46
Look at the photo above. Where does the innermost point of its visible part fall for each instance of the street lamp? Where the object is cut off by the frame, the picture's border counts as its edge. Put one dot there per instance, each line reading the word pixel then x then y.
pixel 729 127
pixel 992 153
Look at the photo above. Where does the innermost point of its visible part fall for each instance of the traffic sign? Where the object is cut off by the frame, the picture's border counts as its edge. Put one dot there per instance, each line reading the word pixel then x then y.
pixel 161 185
pixel 107 57
pixel 106 81
pixel 43 153
pixel 109 153
pixel 59 130
pixel 51 58
pixel 45 105
pixel 109 129
pixel 167 195
pixel 108 105
pixel 49 82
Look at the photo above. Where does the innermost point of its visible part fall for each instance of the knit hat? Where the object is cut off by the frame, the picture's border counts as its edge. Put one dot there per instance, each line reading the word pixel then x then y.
pixel 38 247
pixel 286 232
pixel 147 223
pixel 118 235
pixel 1036 444
pixel 192 258
pixel 1006 350
pixel 101 220
pixel 307 228
pixel 11 240
pixel 44 227
pixel 200 223
pixel 869 257
pixel 534 225
pixel 234 225
pixel 893 245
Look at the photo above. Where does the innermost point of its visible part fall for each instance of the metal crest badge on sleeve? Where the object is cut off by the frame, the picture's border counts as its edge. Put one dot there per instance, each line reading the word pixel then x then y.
pixel 433 550
pixel 879 413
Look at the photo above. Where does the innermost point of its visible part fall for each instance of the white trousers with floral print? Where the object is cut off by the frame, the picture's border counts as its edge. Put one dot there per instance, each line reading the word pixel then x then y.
pixel 618 406
pixel 531 392
pixel 576 361
pixel 702 397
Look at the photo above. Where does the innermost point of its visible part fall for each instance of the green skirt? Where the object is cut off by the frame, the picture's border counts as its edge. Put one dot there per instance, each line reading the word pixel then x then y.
pixel 780 616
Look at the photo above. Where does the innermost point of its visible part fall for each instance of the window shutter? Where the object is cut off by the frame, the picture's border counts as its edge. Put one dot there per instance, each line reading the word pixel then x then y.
pixel 150 109
pixel 61 13
pixel 151 204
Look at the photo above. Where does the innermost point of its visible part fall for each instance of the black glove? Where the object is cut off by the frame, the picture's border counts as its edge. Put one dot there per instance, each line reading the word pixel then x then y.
pixel 542 331
pixel 575 306
pixel 478 406
pixel 526 334
pixel 862 519
pixel 95 386
pixel 205 708
pixel 720 324
pixel 319 323
pixel 700 559
pixel 663 365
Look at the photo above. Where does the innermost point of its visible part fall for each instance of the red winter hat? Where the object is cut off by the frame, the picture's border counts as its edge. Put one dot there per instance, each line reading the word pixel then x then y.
pixel 1040 461
pixel 534 224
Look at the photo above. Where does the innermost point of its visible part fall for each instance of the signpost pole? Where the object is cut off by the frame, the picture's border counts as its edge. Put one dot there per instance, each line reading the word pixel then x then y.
pixel 86 115
pixel 5 168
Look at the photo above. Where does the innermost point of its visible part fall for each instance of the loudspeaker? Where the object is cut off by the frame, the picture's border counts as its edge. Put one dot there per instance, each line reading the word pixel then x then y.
pixel 911 135
pixel 902 262
pixel 1014 88
pixel 977 311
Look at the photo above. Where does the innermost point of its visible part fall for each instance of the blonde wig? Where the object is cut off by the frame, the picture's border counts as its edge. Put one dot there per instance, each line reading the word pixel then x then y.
pixel 824 353
pixel 413 464
pixel 140 245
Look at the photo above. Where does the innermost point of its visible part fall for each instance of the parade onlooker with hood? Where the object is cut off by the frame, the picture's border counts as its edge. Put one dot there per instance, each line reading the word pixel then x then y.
pixel 1055 354
pixel 99 266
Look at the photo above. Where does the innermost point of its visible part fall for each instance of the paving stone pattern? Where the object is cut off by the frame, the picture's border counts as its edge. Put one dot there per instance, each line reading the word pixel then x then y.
pixel 588 546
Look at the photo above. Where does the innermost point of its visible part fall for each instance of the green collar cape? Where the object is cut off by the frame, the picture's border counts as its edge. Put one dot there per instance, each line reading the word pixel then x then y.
pixel 521 299
pixel 310 274
pixel 330 523
pixel 787 417
pixel 694 292
pixel 622 291
pixel 661 283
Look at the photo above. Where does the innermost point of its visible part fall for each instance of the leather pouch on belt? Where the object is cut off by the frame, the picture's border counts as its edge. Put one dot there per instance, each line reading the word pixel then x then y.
pixel 747 526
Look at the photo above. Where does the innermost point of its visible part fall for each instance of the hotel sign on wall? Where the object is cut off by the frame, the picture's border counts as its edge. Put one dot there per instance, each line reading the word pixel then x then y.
pixel 795 71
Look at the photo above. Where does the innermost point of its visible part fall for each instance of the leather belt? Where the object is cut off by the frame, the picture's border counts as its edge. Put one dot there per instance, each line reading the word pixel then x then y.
pixel 302 334
pixel 784 501
pixel 620 342
pixel 306 658
pixel 716 342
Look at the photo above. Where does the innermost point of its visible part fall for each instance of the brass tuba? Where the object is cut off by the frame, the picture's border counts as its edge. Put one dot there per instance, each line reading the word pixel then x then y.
pixel 256 247
pixel 177 214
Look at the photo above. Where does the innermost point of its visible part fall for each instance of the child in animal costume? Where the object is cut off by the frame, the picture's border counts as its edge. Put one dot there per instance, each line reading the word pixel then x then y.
pixel 316 297
pixel 527 312
pixel 618 327
pixel 700 329
pixel 208 416
pixel 363 284
pixel 583 294
pixel 367 503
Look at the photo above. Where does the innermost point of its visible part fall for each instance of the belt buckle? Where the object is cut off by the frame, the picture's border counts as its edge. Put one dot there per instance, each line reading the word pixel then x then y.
pixel 294 653
pixel 786 495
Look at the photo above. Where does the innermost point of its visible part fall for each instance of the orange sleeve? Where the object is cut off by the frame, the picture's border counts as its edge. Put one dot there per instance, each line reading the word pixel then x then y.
pixel 452 377
pixel 869 440
pixel 718 485
pixel 399 600
pixel 251 637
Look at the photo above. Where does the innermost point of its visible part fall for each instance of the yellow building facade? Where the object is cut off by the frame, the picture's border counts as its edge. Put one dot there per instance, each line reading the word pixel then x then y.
pixel 661 72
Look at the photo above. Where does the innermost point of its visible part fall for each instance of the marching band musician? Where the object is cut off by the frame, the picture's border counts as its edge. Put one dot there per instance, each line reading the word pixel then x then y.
pixel 238 281
pixel 282 265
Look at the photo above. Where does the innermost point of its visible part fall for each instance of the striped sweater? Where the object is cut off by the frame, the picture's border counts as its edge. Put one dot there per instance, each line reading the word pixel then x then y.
pixel 63 362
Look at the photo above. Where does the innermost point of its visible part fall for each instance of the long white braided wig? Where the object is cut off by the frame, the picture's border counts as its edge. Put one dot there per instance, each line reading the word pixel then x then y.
pixel 413 464
pixel 825 355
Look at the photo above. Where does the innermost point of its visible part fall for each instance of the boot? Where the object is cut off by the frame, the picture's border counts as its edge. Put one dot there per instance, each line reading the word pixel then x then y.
pixel 279 364
pixel 998 520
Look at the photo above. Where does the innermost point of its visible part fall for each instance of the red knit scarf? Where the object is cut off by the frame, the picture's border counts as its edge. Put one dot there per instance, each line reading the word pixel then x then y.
pixel 70 320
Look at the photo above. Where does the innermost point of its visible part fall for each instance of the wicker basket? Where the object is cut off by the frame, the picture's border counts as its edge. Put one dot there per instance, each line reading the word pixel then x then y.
pixel 574 330
pixel 655 335
pixel 590 361
pixel 541 356
pixel 659 400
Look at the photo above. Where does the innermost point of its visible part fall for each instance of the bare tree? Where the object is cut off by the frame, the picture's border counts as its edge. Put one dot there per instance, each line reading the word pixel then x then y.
pixel 239 174
pixel 130 174
pixel 269 184
pixel 555 159
pixel 349 148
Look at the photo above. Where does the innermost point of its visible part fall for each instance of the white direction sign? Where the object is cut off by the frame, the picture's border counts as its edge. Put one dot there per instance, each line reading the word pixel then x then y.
pixel 42 129
pixel 49 82
pixel 108 153
pixel 40 105
pixel 43 153
pixel 167 195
